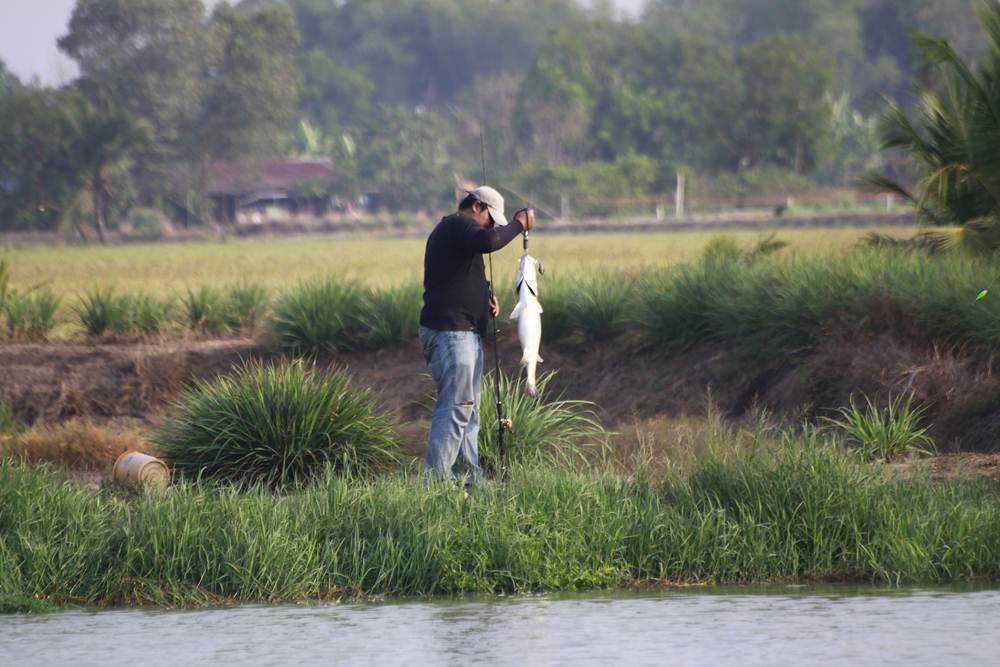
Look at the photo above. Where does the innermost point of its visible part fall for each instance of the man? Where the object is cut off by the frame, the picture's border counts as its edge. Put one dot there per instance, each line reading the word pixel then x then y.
pixel 458 303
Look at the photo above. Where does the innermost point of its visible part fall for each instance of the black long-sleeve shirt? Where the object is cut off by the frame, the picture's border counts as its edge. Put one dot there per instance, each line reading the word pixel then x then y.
pixel 456 292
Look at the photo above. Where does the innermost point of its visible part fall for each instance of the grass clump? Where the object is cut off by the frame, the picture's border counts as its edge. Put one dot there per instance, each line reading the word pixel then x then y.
pixel 390 316
pixel 246 305
pixel 30 315
pixel 884 434
pixel 318 316
pixel 275 425
pixel 102 311
pixel 204 310
pixel 552 431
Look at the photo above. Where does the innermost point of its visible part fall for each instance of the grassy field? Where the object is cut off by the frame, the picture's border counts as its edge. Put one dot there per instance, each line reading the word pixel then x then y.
pixel 165 268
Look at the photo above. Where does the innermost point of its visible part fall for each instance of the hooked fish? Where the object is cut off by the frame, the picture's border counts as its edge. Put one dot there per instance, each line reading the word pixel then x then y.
pixel 528 313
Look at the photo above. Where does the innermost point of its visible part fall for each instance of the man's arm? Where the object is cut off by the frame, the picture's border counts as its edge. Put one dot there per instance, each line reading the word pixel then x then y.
pixel 484 240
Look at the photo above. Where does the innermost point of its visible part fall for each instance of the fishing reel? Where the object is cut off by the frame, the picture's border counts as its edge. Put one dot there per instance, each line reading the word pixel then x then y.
pixel 506 424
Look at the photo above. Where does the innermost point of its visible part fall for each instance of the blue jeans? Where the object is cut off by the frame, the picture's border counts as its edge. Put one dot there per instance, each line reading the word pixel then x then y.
pixel 455 361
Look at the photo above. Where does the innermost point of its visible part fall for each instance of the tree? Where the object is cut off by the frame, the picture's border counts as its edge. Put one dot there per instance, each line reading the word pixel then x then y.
pixel 954 138
pixel 252 93
pixel 8 80
pixel 408 157
pixel 102 144
pixel 37 171
pixel 786 108
pixel 144 58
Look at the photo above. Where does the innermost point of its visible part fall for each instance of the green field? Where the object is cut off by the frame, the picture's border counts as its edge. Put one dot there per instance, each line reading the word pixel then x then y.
pixel 167 268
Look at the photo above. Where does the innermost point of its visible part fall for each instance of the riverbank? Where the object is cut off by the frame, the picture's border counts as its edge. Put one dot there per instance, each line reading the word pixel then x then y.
pixel 794 507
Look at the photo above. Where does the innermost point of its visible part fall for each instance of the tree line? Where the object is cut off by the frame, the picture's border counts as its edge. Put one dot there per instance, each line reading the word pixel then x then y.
pixel 400 92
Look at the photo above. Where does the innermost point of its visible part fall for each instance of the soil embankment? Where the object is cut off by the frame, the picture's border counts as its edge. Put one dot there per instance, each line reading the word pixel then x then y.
pixel 131 384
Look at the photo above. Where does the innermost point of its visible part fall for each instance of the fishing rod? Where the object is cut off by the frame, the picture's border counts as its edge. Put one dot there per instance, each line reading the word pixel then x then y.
pixel 503 424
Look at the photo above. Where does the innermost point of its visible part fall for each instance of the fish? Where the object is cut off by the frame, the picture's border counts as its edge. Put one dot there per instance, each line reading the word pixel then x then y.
pixel 528 313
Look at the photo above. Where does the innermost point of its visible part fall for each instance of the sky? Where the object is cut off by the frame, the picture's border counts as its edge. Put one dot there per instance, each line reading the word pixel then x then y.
pixel 29 30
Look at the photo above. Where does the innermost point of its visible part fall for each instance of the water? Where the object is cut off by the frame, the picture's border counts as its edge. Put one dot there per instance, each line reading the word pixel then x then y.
pixel 774 626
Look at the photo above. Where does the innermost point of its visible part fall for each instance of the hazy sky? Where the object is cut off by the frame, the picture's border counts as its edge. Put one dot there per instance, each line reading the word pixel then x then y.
pixel 29 30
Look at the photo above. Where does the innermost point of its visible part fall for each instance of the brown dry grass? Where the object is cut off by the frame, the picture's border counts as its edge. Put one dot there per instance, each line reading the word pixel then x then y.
pixel 78 444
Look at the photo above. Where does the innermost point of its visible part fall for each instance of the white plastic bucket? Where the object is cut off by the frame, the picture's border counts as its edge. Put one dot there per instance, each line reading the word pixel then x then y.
pixel 138 469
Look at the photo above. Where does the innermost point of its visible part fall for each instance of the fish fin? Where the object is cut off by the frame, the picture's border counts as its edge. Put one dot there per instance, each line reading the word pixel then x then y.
pixel 516 313
pixel 540 360
pixel 540 309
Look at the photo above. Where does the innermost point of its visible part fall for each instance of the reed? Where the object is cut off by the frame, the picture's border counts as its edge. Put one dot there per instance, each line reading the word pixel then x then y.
pixel 204 310
pixel 390 316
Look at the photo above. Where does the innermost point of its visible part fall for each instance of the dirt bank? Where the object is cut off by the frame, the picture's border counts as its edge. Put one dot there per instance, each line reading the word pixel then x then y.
pixel 132 383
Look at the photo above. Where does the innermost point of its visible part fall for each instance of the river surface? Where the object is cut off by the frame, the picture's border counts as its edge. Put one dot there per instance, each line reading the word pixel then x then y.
pixel 761 626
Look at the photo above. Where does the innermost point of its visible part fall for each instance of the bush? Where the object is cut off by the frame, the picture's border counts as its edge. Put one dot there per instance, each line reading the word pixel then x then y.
pixel 542 430
pixel 147 315
pixel 148 223
pixel 884 434
pixel 318 316
pixel 275 425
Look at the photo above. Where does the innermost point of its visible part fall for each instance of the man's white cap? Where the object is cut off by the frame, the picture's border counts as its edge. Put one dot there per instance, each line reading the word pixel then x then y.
pixel 493 201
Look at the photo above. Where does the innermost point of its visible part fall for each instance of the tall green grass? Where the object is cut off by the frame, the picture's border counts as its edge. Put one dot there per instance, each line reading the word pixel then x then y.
pixel 794 508
pixel 549 430
pixel 31 315
pixel 884 434
pixel 318 316
pixel 275 425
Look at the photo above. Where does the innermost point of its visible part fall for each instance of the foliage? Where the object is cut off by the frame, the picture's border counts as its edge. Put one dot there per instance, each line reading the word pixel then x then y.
pixel 275 425
pixel 147 223
pixel 884 434
pixel 953 138
pixel 550 430
pixel 251 97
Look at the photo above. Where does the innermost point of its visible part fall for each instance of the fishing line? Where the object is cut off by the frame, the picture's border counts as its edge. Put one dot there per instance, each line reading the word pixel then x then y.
pixel 502 424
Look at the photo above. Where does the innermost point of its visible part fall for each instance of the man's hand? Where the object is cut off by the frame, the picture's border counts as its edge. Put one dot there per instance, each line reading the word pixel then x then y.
pixel 494 306
pixel 526 216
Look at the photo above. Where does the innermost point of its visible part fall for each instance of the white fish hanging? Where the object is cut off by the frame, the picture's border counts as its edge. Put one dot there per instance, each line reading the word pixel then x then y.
pixel 528 314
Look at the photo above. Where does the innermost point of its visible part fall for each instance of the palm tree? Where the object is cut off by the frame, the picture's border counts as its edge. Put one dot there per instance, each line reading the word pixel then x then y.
pixel 954 138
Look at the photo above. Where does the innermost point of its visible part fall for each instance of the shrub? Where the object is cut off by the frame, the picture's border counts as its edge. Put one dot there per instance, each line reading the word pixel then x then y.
pixel 391 316
pixel 148 223
pixel 542 430
pixel 32 315
pixel 884 434
pixel 205 310
pixel 275 425
pixel 318 316
pixel 245 306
